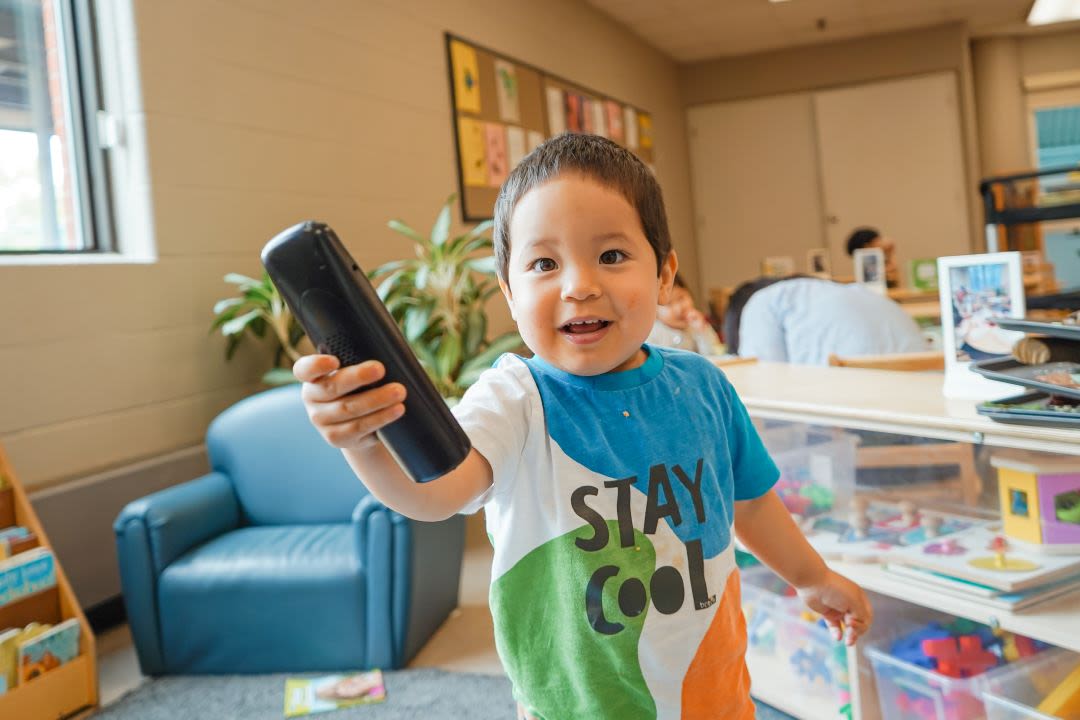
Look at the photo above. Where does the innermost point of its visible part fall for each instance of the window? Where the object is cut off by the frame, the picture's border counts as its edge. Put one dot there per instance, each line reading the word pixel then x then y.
pixel 1019 503
pixel 53 181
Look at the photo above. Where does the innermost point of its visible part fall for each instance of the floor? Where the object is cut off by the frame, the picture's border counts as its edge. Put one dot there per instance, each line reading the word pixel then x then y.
pixel 465 642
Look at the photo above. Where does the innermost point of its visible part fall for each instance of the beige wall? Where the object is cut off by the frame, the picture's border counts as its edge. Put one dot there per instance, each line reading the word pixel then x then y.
pixel 260 113
pixel 1001 65
pixel 846 63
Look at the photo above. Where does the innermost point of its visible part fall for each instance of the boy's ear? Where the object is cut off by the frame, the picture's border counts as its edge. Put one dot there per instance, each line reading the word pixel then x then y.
pixel 509 297
pixel 667 278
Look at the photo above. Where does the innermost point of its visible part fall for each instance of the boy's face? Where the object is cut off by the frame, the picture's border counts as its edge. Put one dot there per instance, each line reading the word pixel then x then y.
pixel 581 280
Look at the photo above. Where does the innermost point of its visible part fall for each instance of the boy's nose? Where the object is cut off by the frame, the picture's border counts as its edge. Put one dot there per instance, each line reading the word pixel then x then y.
pixel 579 285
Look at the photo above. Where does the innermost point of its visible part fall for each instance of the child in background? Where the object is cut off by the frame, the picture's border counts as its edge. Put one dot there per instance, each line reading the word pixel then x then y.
pixel 681 325
pixel 612 472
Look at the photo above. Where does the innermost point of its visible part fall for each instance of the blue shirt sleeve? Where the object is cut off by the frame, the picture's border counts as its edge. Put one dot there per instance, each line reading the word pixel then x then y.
pixel 752 467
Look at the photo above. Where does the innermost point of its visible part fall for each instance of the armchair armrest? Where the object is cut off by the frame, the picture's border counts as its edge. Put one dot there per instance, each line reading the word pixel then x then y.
pixel 412 571
pixel 178 518
pixel 153 531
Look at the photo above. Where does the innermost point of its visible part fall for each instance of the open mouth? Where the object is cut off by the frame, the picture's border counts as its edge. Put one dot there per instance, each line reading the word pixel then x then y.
pixel 584 327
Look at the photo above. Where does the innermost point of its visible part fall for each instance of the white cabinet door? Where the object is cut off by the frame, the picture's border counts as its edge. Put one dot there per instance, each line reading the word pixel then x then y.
pixel 892 158
pixel 754 174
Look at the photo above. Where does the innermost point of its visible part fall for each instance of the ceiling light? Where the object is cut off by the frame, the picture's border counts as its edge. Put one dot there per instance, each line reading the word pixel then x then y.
pixel 1044 12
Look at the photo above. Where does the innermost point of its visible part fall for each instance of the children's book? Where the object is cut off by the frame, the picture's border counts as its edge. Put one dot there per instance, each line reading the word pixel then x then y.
pixel 49 650
pixel 306 696
pixel 7 658
pixel 9 651
pixel 26 573
pixel 983 594
pixel 9 535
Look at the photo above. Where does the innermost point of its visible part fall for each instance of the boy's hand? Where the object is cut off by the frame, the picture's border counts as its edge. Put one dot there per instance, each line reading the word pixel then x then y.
pixel 348 421
pixel 842 603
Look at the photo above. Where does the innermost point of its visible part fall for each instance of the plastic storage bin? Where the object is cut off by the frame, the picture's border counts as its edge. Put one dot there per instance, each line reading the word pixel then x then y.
pixel 909 692
pixel 1015 695
pixel 806 670
pixel 817 467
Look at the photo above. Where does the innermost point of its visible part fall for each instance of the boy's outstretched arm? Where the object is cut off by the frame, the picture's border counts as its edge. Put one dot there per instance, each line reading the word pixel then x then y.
pixel 349 421
pixel 767 530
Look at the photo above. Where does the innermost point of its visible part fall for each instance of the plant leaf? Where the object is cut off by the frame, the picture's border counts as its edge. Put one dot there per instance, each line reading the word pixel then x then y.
pixel 238 324
pixel 440 231
pixel 448 355
pixel 415 322
pixel 471 369
pixel 475 330
pixel 222 305
pixel 407 231
pixel 485 265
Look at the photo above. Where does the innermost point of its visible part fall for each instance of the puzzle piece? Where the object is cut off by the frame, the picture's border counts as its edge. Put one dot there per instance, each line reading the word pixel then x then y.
pixel 960 657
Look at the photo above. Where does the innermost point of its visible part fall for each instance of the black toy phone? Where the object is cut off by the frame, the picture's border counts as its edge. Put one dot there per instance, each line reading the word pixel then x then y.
pixel 343 315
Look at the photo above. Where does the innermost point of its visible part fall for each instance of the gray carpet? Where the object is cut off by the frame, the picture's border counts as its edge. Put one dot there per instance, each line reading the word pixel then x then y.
pixel 422 694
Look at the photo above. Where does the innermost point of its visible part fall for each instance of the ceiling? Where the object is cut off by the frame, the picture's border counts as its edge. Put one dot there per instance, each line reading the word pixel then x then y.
pixel 693 30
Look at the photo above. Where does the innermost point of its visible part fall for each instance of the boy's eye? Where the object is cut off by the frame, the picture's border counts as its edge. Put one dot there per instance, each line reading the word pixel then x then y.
pixel 610 257
pixel 542 265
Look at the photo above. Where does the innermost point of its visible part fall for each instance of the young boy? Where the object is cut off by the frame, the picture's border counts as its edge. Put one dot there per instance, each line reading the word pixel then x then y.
pixel 612 472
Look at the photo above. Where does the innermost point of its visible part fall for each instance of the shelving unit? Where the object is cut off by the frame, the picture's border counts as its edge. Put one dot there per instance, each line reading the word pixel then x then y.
pixel 912 404
pixel 73 686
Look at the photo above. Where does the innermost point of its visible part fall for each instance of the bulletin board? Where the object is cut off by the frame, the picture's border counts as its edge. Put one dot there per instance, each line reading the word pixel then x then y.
pixel 503 108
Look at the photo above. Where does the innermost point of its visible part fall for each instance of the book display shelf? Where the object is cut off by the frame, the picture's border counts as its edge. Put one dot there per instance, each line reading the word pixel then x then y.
pixel 73 686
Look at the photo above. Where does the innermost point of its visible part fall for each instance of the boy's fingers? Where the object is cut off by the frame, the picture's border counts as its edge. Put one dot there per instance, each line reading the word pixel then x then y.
pixel 310 368
pixel 328 387
pixel 351 407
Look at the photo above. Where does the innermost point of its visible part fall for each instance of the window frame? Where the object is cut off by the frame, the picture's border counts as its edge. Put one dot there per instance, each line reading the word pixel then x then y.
pixel 91 177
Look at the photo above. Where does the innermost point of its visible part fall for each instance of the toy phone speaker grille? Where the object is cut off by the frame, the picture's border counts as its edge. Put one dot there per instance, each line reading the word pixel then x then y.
pixel 345 350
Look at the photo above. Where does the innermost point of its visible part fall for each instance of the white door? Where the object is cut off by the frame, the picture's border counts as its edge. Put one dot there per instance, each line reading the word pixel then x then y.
pixel 754 174
pixel 892 158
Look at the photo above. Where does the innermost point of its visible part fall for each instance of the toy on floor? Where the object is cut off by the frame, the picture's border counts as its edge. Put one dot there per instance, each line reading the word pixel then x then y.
pixel 1040 500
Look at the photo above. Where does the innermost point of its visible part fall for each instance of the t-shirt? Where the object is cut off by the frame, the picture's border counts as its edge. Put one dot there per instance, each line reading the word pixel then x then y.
pixel 614 588
pixel 803 320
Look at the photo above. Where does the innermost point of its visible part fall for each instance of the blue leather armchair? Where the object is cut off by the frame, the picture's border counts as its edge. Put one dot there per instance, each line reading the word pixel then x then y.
pixel 279 560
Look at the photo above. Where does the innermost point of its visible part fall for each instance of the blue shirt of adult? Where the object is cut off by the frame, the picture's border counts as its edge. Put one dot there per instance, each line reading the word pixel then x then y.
pixel 804 320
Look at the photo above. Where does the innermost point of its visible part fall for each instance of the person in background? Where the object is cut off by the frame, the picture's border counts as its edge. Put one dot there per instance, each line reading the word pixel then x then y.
pixel 681 325
pixel 803 320
pixel 868 237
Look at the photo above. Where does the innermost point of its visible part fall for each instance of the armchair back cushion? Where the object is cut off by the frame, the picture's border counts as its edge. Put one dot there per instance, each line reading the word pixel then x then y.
pixel 268 447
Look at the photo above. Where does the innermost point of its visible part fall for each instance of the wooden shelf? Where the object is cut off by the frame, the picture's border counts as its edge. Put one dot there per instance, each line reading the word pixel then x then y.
pixel 73 686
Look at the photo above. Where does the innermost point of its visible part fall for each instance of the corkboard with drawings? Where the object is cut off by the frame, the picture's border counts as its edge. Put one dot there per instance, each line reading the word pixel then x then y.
pixel 502 109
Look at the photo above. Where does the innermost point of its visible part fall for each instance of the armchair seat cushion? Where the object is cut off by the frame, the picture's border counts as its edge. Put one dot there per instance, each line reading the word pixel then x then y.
pixel 265 599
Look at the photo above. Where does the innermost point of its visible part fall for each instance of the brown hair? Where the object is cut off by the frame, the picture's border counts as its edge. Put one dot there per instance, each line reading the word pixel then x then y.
pixel 594 157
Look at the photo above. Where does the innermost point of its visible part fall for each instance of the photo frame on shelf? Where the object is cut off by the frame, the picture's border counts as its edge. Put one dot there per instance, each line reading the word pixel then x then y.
pixel 870 268
pixel 974 290
pixel 778 266
pixel 922 274
pixel 817 262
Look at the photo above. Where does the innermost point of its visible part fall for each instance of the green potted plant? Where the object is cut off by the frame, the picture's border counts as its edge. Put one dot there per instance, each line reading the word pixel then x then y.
pixel 437 299
pixel 258 310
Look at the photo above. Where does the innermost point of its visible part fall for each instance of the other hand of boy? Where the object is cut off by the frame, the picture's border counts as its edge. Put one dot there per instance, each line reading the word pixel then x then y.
pixel 348 419
pixel 842 603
